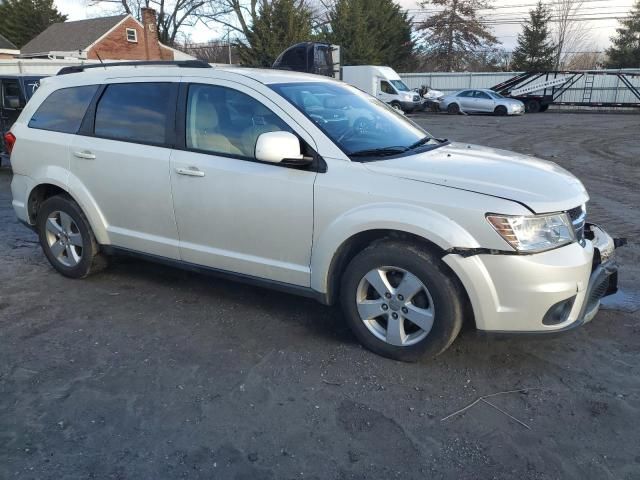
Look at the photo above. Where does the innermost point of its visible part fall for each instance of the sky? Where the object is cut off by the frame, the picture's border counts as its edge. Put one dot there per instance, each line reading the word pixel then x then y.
pixel 599 18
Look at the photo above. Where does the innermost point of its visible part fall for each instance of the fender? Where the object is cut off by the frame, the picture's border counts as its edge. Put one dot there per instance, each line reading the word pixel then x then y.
pixel 62 178
pixel 420 221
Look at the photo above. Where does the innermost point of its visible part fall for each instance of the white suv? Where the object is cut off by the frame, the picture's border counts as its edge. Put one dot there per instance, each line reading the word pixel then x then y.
pixel 262 176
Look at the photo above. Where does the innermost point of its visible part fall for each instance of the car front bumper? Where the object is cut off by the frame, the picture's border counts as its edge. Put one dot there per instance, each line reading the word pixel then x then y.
pixel 516 293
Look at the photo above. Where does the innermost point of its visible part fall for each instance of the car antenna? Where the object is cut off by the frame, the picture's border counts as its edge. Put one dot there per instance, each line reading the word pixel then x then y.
pixel 101 62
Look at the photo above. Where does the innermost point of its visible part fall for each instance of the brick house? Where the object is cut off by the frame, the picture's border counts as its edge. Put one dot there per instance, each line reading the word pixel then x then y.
pixel 119 37
pixel 7 49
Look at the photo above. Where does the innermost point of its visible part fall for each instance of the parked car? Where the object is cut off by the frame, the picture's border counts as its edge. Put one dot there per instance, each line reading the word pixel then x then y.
pixel 15 91
pixel 480 101
pixel 225 171
pixel 383 83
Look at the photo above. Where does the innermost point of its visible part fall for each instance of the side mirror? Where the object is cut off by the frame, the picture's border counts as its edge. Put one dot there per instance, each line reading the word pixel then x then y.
pixel 280 147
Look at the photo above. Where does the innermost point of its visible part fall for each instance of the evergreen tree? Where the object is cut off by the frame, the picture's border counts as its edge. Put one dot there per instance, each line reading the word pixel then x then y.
pixel 625 51
pixel 535 50
pixel 371 32
pixel 22 20
pixel 455 35
pixel 278 25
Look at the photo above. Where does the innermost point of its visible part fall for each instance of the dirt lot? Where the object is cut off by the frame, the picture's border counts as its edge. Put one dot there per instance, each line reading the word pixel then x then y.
pixel 145 372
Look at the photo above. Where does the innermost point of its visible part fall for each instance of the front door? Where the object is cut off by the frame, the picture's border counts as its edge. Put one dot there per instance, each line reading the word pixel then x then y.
pixel 386 92
pixel 123 163
pixel 484 103
pixel 234 213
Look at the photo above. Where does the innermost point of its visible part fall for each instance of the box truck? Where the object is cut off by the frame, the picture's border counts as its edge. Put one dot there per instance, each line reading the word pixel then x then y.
pixel 384 84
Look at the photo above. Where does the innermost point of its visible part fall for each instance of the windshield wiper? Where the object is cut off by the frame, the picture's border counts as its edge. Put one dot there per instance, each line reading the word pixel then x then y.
pixel 378 152
pixel 425 140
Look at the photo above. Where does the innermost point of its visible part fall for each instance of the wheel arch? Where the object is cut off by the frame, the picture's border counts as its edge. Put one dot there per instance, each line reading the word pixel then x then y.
pixel 51 187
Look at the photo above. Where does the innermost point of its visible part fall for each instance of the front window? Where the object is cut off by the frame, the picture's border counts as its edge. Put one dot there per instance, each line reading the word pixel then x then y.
pixel 360 125
pixel 400 86
pixel 495 95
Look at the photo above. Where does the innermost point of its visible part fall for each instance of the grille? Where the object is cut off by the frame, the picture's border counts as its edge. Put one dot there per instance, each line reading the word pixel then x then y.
pixel 578 218
pixel 416 98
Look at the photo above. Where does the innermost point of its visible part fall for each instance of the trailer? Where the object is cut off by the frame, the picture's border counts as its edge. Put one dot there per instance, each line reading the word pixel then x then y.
pixel 538 90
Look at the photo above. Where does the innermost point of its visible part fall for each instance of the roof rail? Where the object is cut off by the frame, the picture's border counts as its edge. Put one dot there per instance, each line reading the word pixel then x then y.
pixel 176 63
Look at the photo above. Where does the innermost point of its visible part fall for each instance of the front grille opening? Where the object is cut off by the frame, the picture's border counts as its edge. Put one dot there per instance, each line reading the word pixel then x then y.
pixel 578 216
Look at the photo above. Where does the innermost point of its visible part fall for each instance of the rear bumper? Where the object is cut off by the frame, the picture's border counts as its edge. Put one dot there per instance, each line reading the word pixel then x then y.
pixel 514 293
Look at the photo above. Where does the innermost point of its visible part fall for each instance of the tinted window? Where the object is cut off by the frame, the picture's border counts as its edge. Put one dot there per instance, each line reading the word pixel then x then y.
pixel 482 95
pixel 466 93
pixel 64 109
pixel 226 121
pixel 135 112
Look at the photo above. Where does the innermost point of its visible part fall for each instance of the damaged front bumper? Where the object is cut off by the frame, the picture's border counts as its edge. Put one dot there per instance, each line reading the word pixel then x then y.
pixel 547 292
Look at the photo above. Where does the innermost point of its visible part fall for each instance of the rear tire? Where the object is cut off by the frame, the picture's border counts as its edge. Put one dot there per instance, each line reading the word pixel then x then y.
pixel 500 110
pixel 422 323
pixel 544 108
pixel 532 106
pixel 66 238
pixel 453 109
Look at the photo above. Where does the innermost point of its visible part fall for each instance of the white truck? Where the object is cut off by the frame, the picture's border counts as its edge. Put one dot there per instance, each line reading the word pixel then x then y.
pixel 384 84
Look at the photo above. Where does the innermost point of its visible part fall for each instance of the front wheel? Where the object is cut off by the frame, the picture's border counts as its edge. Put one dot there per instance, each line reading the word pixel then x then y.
pixel 500 110
pixel 401 301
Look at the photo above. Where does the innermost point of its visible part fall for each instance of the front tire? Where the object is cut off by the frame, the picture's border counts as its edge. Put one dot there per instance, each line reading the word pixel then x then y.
pixel 453 109
pixel 66 238
pixel 500 110
pixel 401 301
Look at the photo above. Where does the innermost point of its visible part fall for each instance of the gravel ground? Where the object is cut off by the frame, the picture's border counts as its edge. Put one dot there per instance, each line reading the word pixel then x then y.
pixel 144 372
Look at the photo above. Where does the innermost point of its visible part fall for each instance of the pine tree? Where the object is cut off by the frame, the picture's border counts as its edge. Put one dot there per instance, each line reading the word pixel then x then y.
pixel 371 32
pixel 535 50
pixel 455 34
pixel 22 20
pixel 625 51
pixel 278 25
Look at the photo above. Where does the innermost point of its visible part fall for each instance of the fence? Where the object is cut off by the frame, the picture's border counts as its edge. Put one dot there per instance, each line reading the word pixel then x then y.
pixel 606 88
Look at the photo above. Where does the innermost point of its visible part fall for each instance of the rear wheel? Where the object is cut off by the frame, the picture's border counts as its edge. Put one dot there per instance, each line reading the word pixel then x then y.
pixel 453 109
pixel 66 238
pixel 532 106
pixel 500 110
pixel 544 108
pixel 401 302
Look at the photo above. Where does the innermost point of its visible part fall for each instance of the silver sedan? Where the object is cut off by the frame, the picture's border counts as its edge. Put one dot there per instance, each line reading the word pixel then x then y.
pixel 480 101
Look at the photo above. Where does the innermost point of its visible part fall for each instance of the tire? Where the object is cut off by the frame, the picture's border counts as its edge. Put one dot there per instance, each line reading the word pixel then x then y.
pixel 453 109
pixel 500 110
pixel 532 106
pixel 396 105
pixel 544 108
pixel 438 304
pixel 66 238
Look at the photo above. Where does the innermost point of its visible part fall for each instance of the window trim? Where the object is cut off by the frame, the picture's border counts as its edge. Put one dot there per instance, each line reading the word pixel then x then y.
pixel 87 127
pixel 318 165
pixel 135 35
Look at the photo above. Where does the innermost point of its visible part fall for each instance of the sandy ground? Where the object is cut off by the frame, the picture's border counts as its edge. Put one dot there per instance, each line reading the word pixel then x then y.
pixel 144 372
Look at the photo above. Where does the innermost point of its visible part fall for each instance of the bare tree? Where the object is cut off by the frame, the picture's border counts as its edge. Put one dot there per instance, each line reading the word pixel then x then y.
pixel 173 15
pixel 570 35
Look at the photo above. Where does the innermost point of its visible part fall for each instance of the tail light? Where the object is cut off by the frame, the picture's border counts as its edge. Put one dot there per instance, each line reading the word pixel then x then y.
pixel 9 142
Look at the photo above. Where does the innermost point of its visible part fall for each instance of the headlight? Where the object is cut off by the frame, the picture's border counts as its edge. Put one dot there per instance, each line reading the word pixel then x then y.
pixel 534 233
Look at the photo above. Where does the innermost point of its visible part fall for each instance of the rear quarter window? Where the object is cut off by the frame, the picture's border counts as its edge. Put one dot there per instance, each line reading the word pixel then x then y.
pixel 64 109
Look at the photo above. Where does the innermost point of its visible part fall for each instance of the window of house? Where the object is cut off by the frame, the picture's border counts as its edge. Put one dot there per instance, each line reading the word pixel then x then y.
pixel 132 35
pixel 228 122
pixel 64 109
pixel 134 112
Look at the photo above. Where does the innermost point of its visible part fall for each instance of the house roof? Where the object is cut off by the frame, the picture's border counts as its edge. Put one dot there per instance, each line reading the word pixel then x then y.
pixel 5 44
pixel 71 36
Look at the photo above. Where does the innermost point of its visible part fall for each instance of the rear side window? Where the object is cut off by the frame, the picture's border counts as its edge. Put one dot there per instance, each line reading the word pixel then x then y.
pixel 64 109
pixel 134 112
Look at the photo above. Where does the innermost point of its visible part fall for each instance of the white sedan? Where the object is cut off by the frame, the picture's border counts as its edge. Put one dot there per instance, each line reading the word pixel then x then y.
pixel 480 101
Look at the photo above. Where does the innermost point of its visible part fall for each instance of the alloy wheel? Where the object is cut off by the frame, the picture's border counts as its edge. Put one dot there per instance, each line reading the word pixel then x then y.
pixel 64 238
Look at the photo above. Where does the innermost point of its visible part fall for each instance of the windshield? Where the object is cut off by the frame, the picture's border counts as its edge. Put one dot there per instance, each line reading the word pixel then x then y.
pixel 495 95
pixel 400 86
pixel 358 123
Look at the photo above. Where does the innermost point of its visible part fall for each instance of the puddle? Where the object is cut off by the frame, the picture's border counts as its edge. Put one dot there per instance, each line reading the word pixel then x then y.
pixel 623 301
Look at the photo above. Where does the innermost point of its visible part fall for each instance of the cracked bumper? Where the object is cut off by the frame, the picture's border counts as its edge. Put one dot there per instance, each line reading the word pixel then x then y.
pixel 513 293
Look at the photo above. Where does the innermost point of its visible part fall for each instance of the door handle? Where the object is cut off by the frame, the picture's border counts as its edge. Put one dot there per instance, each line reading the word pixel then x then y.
pixel 85 154
pixel 191 172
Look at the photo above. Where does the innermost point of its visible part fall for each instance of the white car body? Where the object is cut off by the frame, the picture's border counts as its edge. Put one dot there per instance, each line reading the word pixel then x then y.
pixel 383 83
pixel 288 226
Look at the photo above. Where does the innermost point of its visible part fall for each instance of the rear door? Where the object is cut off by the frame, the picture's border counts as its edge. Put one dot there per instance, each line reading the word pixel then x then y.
pixel 11 103
pixel 121 158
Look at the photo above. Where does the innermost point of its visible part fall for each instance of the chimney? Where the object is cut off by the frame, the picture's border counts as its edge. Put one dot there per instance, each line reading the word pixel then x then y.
pixel 150 24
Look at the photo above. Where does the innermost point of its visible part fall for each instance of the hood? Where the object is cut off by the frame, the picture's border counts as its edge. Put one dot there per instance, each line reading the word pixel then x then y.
pixel 541 185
